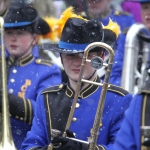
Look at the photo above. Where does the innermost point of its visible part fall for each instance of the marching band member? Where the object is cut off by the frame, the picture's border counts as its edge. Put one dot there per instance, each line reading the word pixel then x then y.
pixel 102 11
pixel 53 104
pixel 129 137
pixel 27 73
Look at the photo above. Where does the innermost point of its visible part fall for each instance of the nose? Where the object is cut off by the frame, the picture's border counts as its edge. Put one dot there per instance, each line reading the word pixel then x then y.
pixel 14 37
pixel 77 60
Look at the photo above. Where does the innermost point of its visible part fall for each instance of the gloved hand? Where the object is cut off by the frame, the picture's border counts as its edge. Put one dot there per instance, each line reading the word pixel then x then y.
pixel 68 144
pixel 16 106
pixel 146 142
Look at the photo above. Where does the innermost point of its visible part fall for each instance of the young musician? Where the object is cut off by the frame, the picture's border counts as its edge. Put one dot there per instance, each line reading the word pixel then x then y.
pixel 130 136
pixel 54 104
pixel 27 73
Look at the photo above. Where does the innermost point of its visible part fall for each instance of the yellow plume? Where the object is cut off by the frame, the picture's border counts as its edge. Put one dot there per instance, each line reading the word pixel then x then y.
pixel 68 13
pixel 52 35
pixel 113 26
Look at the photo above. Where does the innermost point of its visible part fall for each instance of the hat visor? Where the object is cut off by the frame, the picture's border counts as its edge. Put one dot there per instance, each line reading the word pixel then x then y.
pixel 139 1
pixel 144 1
pixel 56 48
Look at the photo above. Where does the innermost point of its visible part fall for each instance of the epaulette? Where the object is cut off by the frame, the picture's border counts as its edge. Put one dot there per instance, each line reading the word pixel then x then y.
pixel 145 88
pixel 117 13
pixel 55 88
pixel 117 89
pixel 144 92
pixel 125 31
pixel 43 61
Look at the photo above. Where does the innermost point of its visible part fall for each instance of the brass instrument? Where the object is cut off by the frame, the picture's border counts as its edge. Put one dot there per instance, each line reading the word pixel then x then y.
pixel 6 141
pixel 145 133
pixel 97 63
pixel 4 4
pixel 131 55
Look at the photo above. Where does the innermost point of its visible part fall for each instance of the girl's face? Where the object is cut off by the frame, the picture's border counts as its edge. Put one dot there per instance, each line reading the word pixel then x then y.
pixel 19 43
pixel 72 65
pixel 98 6
pixel 145 14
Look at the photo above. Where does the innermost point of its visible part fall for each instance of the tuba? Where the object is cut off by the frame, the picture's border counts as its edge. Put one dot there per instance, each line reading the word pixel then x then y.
pixel 133 79
pixel 96 63
pixel 6 141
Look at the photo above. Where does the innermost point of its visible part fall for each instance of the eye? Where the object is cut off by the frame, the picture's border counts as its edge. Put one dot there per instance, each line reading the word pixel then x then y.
pixel 70 55
pixel 20 32
pixel 8 32
pixel 144 6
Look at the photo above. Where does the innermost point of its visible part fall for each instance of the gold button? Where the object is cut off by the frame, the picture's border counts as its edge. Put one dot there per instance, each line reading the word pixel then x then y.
pixel 77 105
pixel 14 71
pixel 12 80
pixel 11 91
pixel 74 134
pixel 116 12
pixel 61 86
pixel 16 117
pixel 38 60
pixel 74 119
pixel 21 118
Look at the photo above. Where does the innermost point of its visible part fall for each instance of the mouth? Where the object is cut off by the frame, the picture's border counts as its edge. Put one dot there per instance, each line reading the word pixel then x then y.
pixel 148 19
pixel 13 46
pixel 76 70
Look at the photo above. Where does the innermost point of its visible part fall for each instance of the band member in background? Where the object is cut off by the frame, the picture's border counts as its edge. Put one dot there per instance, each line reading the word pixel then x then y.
pixel 53 104
pixel 129 137
pixel 102 11
pixel 27 73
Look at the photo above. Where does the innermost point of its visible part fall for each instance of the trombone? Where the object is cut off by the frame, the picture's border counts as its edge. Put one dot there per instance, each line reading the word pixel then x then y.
pixel 96 63
pixel 6 141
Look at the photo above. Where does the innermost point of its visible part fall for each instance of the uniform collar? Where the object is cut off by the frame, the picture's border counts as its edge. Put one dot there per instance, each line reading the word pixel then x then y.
pixel 22 62
pixel 35 51
pixel 90 89
pixel 105 14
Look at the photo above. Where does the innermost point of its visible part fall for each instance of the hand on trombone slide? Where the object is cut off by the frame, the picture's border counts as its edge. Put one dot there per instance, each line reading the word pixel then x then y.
pixel 68 143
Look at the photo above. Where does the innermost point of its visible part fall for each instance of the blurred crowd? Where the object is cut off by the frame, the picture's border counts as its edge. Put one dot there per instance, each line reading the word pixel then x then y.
pixel 56 7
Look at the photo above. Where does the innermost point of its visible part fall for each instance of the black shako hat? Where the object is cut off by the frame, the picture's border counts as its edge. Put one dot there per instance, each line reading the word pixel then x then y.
pixel 77 33
pixel 25 17
pixel 144 1
pixel 140 1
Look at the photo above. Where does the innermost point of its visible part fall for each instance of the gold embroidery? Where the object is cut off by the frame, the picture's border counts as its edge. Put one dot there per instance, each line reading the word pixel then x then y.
pixel 30 112
pixel 143 120
pixel 25 110
pixel 24 88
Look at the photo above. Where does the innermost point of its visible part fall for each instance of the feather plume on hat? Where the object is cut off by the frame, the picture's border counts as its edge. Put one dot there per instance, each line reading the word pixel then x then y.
pixel 69 13
pixel 113 26
pixel 52 35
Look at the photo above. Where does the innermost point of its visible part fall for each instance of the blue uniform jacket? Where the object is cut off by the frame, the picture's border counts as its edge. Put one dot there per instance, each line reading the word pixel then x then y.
pixel 58 103
pixel 118 61
pixel 129 138
pixel 124 19
pixel 26 79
